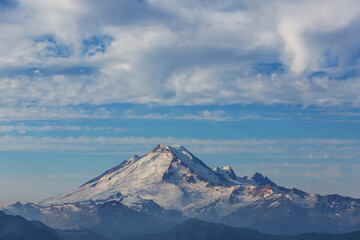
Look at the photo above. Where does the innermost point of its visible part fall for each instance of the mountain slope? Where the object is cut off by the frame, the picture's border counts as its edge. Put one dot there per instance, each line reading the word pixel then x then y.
pixel 194 229
pixel 170 176
pixel 283 210
pixel 111 219
pixel 80 235
pixel 17 228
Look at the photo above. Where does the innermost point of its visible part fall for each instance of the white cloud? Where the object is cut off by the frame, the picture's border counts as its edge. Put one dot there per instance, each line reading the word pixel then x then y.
pixel 11 112
pixel 299 23
pixel 311 149
pixel 180 52
pixel 22 128
pixel 218 115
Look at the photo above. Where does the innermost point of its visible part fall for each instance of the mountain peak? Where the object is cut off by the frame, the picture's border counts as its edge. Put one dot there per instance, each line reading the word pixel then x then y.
pixel 134 158
pixel 226 168
pixel 182 154
pixel 261 180
pixel 167 148
pixel 166 166
pixel 225 171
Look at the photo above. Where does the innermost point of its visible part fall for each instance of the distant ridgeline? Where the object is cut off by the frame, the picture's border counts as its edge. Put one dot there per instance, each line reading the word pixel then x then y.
pixel 18 228
pixel 155 192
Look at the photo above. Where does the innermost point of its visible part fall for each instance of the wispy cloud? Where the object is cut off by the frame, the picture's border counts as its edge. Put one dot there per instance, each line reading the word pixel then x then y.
pixel 202 115
pixel 11 113
pixel 217 115
pixel 22 128
pixel 290 148
pixel 343 114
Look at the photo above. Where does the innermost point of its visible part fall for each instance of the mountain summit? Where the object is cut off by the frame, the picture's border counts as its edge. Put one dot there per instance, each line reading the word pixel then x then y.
pixel 169 175
pixel 170 184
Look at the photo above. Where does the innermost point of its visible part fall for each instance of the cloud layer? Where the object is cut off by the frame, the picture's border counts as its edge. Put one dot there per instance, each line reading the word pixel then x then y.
pixel 179 52
pixel 272 149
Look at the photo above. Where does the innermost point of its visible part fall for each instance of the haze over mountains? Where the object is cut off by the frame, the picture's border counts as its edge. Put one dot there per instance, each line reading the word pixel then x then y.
pixel 155 192
pixel 194 229
pixel 17 228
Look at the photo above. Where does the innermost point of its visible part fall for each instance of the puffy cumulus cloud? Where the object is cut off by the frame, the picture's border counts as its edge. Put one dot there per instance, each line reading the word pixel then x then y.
pixel 59 54
pixel 314 32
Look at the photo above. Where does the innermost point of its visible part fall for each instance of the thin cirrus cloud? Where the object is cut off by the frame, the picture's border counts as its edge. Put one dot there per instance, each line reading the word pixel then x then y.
pixel 218 115
pixel 35 112
pixel 179 52
pixel 312 149
pixel 22 129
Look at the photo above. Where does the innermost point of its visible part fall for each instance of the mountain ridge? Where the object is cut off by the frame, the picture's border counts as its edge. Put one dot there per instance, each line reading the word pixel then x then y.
pixel 172 184
pixel 18 228
pixel 201 230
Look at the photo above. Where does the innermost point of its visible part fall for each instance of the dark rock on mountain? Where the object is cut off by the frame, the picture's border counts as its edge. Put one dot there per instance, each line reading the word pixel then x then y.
pixel 261 180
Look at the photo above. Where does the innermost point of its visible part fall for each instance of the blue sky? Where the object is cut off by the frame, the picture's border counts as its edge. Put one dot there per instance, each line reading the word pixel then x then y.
pixel 267 86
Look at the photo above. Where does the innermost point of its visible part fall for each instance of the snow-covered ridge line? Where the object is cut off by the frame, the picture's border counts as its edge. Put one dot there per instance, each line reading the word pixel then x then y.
pixel 114 169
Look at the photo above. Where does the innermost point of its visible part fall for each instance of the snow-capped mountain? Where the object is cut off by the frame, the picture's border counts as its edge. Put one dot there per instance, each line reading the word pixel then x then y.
pixel 171 177
pixel 171 184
